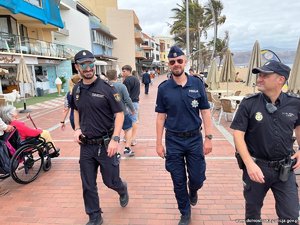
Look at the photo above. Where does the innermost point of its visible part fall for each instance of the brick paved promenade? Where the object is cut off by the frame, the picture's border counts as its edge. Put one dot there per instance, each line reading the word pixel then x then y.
pixel 56 196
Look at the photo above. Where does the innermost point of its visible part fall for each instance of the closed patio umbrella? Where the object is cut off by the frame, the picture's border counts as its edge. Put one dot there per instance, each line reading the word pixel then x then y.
pixel 213 77
pixel 255 61
pixel 23 76
pixel 294 81
pixel 228 69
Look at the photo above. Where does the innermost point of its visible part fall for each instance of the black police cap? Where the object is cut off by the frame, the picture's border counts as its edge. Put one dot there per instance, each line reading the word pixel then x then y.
pixel 273 66
pixel 84 56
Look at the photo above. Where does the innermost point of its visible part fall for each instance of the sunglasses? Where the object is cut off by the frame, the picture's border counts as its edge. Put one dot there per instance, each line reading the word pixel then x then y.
pixel 85 66
pixel 179 61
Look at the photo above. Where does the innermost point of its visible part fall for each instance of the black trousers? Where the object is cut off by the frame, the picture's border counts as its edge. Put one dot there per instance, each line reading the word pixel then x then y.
pixel 146 88
pixel 90 160
pixel 285 194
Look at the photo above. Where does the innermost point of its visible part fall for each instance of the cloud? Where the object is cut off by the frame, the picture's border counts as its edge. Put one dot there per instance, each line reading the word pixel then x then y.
pixel 274 23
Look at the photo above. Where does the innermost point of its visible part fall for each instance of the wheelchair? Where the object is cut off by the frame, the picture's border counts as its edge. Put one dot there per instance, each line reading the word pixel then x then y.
pixel 28 157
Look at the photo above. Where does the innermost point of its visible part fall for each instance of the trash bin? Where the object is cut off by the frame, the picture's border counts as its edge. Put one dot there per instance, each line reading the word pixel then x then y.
pixel 40 92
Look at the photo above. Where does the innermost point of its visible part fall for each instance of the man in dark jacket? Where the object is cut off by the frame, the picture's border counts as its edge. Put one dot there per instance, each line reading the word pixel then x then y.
pixel 146 80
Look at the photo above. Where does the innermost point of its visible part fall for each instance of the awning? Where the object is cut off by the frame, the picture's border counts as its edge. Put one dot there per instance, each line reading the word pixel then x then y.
pixel 100 63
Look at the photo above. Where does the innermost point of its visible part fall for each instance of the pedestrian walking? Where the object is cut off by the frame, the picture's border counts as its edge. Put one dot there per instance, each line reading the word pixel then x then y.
pixel 67 104
pixel 146 80
pixel 128 109
pixel 263 136
pixel 98 118
pixel 133 87
pixel 179 100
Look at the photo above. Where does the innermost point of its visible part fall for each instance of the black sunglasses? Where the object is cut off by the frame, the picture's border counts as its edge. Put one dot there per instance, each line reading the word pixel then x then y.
pixel 179 61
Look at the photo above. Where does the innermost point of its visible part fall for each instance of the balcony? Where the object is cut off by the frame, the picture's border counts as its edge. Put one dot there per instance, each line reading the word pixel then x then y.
pixel 138 36
pixel 139 54
pixel 10 43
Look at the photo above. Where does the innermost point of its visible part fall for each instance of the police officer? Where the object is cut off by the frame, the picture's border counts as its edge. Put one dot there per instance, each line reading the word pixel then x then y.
pixel 178 102
pixel 263 135
pixel 98 118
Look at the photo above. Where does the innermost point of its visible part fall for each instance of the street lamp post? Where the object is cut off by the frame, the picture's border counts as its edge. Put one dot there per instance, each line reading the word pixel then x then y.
pixel 187 34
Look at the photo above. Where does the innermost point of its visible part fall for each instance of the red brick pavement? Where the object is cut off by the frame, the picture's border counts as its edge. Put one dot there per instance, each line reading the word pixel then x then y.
pixel 56 196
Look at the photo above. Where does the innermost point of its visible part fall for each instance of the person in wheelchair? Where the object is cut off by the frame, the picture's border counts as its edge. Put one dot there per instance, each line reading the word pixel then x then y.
pixel 9 115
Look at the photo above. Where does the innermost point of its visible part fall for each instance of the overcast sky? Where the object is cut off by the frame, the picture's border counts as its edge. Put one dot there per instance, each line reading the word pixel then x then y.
pixel 274 23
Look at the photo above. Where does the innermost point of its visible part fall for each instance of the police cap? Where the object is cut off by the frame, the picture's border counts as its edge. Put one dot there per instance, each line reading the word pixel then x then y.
pixel 84 56
pixel 273 66
pixel 175 52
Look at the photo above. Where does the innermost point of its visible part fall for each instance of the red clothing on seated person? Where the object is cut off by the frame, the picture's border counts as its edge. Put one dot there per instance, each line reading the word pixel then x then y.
pixel 24 130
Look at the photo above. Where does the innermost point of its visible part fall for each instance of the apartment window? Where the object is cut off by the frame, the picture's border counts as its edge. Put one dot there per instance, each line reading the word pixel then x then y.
pixel 3 25
pixel 147 55
pixel 8 25
pixel 101 39
pixel 157 57
pixel 35 2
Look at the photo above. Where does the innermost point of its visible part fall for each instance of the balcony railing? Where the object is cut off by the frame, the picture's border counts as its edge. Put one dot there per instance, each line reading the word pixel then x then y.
pixel 11 43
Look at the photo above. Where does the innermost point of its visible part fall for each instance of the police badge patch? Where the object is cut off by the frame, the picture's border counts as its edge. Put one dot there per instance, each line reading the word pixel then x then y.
pixel 259 116
pixel 195 103
pixel 117 97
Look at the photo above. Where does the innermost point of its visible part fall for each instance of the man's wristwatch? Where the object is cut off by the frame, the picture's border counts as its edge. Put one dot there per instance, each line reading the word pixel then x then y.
pixel 209 136
pixel 116 138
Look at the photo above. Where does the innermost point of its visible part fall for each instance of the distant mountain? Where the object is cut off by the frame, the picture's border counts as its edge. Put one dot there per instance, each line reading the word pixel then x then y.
pixel 243 58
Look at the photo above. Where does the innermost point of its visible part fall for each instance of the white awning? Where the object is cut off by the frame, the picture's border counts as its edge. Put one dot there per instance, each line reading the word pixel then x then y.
pixel 100 63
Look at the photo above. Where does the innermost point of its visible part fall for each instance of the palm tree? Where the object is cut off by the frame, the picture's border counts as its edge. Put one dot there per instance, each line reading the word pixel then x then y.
pixel 213 12
pixel 198 26
pixel 221 47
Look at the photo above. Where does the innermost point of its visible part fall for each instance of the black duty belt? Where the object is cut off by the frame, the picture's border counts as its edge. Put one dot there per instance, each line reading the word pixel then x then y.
pixel 184 134
pixel 91 141
pixel 273 164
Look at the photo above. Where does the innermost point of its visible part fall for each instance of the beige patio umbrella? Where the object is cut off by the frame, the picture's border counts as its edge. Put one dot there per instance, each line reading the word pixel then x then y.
pixel 228 69
pixel 294 81
pixel 213 77
pixel 23 76
pixel 255 61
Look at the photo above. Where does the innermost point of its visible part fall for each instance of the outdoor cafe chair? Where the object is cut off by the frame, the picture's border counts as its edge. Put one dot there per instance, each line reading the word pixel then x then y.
pixel 226 108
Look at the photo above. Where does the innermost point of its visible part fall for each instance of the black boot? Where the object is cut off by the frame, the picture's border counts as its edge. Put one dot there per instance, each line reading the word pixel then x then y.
pixel 96 221
pixel 124 198
pixel 185 219
pixel 193 196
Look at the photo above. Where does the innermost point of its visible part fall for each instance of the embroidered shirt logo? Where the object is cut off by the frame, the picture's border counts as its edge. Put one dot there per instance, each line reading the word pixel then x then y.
pixel 195 103
pixel 259 116
pixel 194 91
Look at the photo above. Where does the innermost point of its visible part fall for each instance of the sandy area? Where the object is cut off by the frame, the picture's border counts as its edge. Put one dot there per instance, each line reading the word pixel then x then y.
pixel 239 86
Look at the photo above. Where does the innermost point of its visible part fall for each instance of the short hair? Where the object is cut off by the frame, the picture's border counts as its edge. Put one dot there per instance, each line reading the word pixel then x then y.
pixel 127 67
pixel 6 113
pixel 111 74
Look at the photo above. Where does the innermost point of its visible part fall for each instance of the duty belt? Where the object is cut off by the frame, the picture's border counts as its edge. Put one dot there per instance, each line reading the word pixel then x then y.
pixel 91 141
pixel 273 164
pixel 184 134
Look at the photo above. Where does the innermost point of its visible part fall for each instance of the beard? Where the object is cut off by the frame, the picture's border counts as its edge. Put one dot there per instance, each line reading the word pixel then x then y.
pixel 177 72
pixel 88 75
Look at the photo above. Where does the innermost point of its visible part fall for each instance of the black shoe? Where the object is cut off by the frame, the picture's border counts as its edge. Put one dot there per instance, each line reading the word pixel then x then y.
pixel 97 221
pixel 185 219
pixel 193 196
pixel 124 198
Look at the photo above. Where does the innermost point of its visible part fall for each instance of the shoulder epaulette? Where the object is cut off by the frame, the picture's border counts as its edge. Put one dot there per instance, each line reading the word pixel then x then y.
pixel 252 95
pixel 291 94
pixel 162 82
pixel 107 82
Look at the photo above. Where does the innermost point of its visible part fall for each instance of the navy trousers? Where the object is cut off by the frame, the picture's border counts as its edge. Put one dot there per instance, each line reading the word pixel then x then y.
pixel 185 156
pixel 91 157
pixel 285 194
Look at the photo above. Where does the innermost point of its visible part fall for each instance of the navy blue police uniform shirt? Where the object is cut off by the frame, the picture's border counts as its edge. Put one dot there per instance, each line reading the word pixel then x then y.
pixel 268 136
pixel 96 103
pixel 182 104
